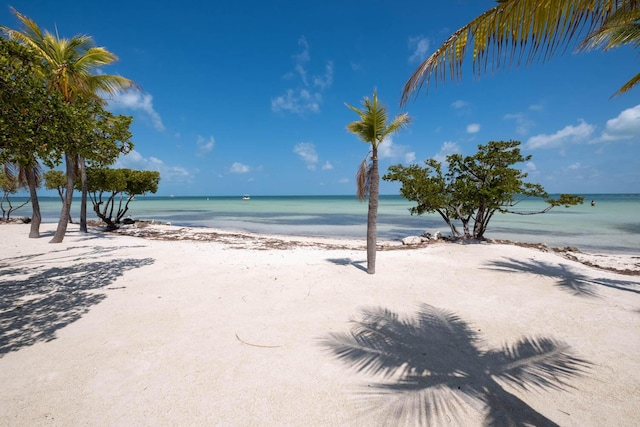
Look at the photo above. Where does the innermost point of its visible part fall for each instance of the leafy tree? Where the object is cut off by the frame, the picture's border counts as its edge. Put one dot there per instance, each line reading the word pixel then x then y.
pixel 517 31
pixel 69 65
pixel 473 188
pixel 32 120
pixel 56 180
pixel 372 128
pixel 9 184
pixel 108 189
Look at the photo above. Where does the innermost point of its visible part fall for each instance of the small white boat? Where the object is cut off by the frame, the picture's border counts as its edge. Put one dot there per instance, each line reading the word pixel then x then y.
pixel 246 197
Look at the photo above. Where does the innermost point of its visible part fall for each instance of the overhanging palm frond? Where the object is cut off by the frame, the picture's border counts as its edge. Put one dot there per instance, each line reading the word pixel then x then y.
pixel 620 28
pixel 514 31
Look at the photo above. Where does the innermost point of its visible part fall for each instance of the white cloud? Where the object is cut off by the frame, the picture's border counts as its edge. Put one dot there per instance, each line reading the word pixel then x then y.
pixel 459 104
pixel 447 148
pixel 396 152
pixel 297 101
pixel 205 145
pixel 569 134
pixel 168 174
pixel 327 166
pixel 238 167
pixel 575 166
pixel 523 123
pixel 473 128
pixel 307 152
pixel 307 95
pixel 138 101
pixel 625 126
pixel 419 47
pixel 343 180
pixel 531 167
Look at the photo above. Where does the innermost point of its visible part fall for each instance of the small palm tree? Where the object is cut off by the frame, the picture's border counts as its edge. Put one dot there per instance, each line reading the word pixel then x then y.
pixel 517 31
pixel 372 128
pixel 69 65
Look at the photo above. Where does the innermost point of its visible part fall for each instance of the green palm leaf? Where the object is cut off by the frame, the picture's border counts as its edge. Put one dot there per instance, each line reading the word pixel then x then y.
pixel 512 33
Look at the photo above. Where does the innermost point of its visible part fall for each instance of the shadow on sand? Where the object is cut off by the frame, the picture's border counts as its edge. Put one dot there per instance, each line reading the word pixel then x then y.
pixel 431 369
pixel 348 261
pixel 567 278
pixel 37 297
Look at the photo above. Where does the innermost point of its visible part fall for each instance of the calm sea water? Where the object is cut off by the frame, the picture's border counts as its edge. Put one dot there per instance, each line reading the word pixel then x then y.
pixel 612 225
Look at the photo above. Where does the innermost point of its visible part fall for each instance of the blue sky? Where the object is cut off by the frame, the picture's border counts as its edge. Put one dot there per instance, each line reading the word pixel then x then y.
pixel 248 97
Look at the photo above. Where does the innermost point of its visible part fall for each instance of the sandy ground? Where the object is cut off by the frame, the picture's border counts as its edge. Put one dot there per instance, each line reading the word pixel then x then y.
pixel 196 327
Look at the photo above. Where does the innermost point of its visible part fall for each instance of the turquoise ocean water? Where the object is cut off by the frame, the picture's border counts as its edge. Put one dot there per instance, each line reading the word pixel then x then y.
pixel 611 226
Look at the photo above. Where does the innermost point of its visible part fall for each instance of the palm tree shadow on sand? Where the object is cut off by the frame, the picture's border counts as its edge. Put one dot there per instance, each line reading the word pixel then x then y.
pixel 567 279
pixel 38 296
pixel 433 370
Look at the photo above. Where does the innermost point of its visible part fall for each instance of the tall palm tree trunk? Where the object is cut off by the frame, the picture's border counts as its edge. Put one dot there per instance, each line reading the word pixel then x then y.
pixel 36 217
pixel 65 214
pixel 372 216
pixel 83 200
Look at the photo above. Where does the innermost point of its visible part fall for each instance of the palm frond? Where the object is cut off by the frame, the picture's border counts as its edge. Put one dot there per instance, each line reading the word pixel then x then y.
pixel 363 179
pixel 513 32
pixel 628 85
pixel 620 28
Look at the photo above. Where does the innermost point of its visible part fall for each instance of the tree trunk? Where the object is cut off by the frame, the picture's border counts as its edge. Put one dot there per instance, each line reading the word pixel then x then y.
pixel 372 217
pixel 83 200
pixel 65 214
pixel 36 218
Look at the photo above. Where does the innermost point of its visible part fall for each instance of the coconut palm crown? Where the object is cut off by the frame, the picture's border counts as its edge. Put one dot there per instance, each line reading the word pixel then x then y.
pixel 70 64
pixel 522 31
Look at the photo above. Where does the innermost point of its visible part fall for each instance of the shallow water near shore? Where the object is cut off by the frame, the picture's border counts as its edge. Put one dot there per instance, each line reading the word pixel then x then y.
pixel 611 226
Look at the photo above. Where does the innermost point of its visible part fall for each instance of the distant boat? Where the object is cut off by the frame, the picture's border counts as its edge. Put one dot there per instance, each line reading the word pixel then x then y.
pixel 246 197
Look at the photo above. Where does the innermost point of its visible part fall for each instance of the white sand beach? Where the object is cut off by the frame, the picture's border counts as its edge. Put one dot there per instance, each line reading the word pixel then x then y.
pixel 197 327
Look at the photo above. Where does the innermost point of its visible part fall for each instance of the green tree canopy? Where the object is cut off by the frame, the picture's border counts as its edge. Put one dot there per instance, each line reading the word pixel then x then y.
pixel 473 188
pixel 111 191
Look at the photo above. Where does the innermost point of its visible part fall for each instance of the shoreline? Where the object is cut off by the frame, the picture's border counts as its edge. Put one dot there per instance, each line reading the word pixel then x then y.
pixel 619 263
pixel 236 329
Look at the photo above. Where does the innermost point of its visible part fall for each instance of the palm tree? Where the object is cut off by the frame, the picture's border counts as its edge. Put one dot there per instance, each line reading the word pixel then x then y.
pixel 517 31
pixel 372 128
pixel 69 65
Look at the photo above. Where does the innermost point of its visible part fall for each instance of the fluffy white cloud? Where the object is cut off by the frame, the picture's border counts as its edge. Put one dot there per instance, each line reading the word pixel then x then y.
pixel 473 128
pixel 238 167
pixel 625 126
pixel 307 96
pixel 569 134
pixel 297 101
pixel 168 174
pixel 448 147
pixel 307 152
pixel 138 101
pixel 531 167
pixel 419 47
pixel 396 152
pixel 205 145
